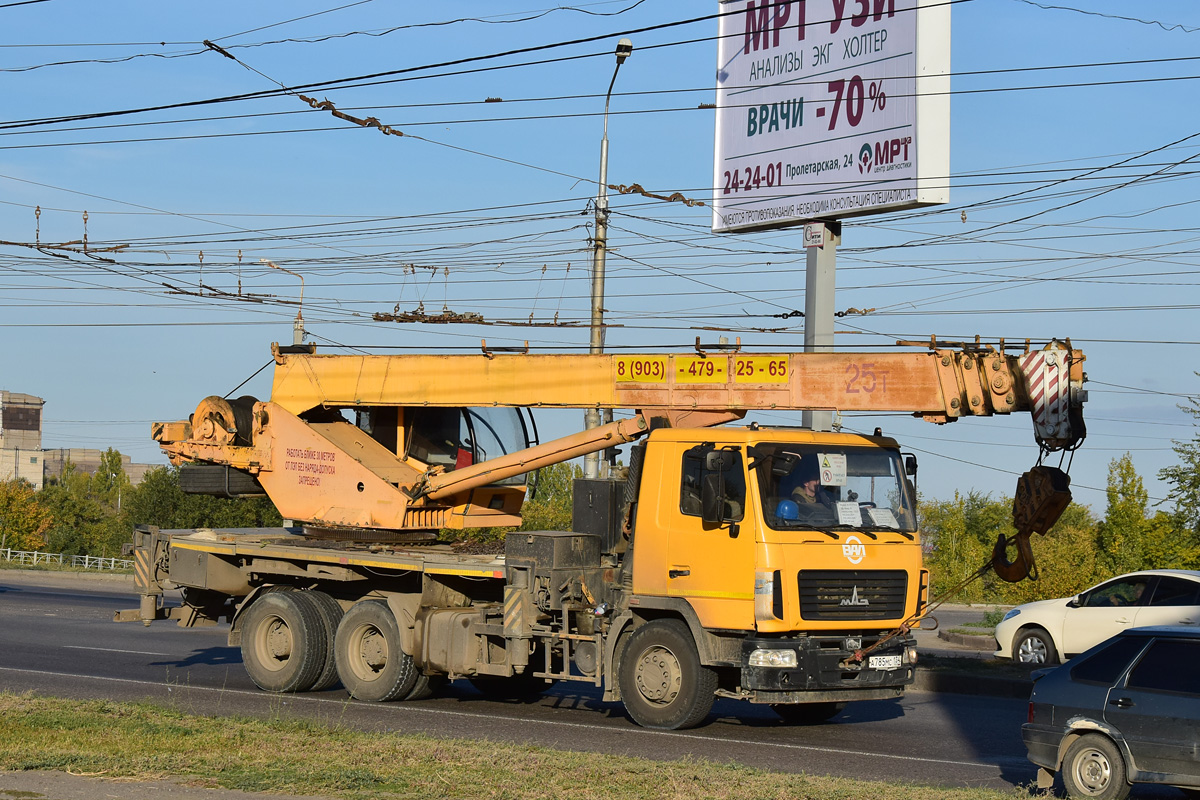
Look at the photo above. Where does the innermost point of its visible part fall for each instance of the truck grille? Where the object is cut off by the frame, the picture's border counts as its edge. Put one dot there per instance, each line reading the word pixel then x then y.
pixel 852 594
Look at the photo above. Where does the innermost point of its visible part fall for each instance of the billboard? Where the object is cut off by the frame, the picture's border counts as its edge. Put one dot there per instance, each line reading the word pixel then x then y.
pixel 830 108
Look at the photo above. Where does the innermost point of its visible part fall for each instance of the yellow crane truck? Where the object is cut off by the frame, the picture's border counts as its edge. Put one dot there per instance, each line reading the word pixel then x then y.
pixel 768 564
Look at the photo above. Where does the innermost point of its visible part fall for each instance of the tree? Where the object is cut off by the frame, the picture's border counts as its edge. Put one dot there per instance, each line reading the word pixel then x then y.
pixel 83 523
pixel 1120 536
pixel 158 500
pixel 961 533
pixel 1184 477
pixel 553 507
pixel 24 520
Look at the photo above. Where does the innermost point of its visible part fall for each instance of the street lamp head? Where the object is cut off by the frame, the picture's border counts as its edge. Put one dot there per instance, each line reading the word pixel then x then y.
pixel 624 50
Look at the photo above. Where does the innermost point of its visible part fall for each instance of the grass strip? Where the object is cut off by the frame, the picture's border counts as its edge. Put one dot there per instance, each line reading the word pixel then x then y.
pixel 154 742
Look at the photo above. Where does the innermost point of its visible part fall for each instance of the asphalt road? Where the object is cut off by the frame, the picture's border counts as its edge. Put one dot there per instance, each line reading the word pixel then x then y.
pixel 57 638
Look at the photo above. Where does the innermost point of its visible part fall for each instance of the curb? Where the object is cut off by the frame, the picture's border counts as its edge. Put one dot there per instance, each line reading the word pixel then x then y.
pixel 981 643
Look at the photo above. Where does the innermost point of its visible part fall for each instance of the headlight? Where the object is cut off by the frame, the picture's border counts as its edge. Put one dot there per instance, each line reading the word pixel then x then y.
pixel 773 658
pixel 911 654
pixel 1011 614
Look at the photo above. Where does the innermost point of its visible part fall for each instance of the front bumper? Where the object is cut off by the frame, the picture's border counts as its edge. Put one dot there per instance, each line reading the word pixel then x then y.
pixel 825 670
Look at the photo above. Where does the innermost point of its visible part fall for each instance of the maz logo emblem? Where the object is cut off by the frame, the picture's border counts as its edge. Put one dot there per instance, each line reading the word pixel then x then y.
pixel 854 599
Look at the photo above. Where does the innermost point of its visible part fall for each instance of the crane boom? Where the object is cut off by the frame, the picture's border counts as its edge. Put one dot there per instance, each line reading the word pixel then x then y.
pixel 940 385
pixel 320 468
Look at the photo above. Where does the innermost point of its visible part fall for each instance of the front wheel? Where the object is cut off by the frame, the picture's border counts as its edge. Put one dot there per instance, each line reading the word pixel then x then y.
pixel 1094 769
pixel 1034 646
pixel 663 684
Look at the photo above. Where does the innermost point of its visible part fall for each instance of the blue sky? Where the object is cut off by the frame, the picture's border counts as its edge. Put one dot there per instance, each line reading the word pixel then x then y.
pixel 1070 149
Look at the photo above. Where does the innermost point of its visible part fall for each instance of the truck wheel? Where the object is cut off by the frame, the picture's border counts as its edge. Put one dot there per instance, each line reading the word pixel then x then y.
pixel 663 684
pixel 1094 768
pixel 283 642
pixel 1034 646
pixel 367 652
pixel 331 615
pixel 806 713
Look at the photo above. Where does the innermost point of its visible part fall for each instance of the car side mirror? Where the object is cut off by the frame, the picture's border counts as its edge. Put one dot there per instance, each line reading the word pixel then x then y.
pixel 1074 602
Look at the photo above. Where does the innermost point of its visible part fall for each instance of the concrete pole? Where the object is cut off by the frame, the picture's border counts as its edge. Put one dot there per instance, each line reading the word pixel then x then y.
pixel 818 305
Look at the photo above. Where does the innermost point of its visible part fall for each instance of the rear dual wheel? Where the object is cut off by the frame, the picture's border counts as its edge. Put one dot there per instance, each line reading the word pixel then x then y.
pixel 284 642
pixel 370 662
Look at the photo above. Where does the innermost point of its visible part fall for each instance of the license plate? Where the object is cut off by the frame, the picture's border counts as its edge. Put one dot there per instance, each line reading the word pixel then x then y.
pixel 883 662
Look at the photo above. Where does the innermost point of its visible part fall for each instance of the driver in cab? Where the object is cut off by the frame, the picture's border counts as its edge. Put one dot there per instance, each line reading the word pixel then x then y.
pixel 806 478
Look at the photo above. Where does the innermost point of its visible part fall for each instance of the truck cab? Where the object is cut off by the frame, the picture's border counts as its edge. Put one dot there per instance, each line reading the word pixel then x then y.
pixel 785 553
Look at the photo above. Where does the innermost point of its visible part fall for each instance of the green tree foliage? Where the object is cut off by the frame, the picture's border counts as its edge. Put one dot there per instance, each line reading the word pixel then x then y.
pixel 158 500
pixel 549 510
pixel 1184 477
pixel 95 514
pixel 24 520
pixel 1174 539
pixel 962 532
pixel 1120 536
pixel 87 509
pixel 1078 552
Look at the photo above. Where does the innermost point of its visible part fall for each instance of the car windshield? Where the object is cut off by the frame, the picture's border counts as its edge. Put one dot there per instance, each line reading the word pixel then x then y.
pixel 829 487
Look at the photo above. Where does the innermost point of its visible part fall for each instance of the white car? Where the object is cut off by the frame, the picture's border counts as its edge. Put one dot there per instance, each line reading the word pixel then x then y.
pixel 1049 630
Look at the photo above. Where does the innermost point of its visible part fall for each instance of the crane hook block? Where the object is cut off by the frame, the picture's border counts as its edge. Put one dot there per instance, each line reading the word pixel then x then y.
pixel 1043 494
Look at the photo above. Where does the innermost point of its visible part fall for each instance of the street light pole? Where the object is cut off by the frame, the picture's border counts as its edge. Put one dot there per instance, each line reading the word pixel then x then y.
pixel 591 462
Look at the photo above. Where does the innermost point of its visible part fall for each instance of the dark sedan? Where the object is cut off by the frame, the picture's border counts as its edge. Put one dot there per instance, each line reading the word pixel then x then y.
pixel 1126 711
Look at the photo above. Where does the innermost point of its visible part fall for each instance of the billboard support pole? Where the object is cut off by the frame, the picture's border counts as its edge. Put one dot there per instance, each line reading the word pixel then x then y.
pixel 818 301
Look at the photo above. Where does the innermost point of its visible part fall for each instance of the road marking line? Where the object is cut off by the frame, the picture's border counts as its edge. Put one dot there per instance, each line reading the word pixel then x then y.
pixel 113 650
pixel 393 708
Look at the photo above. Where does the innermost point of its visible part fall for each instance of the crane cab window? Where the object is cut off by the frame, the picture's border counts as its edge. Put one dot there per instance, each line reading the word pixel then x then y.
pixel 459 437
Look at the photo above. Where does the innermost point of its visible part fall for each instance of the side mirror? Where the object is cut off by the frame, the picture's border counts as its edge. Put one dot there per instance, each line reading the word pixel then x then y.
pixel 718 460
pixel 1074 602
pixel 783 464
pixel 712 497
pixel 910 465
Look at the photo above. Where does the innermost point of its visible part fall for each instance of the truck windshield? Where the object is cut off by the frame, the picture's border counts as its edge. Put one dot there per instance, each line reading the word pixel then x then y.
pixel 826 486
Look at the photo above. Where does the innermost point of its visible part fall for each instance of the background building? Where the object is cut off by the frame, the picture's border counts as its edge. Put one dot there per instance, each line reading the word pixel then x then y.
pixel 21 453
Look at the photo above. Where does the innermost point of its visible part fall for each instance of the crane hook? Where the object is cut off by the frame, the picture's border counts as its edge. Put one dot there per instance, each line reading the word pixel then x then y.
pixel 1012 571
pixel 1043 494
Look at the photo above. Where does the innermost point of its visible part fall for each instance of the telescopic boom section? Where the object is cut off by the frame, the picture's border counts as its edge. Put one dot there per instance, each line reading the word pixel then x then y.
pixel 319 468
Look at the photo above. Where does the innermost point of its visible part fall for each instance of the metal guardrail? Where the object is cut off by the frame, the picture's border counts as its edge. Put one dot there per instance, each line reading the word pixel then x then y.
pixel 33 558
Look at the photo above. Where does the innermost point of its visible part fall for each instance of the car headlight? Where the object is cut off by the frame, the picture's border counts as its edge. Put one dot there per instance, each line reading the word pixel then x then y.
pixel 1011 614
pixel 773 658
